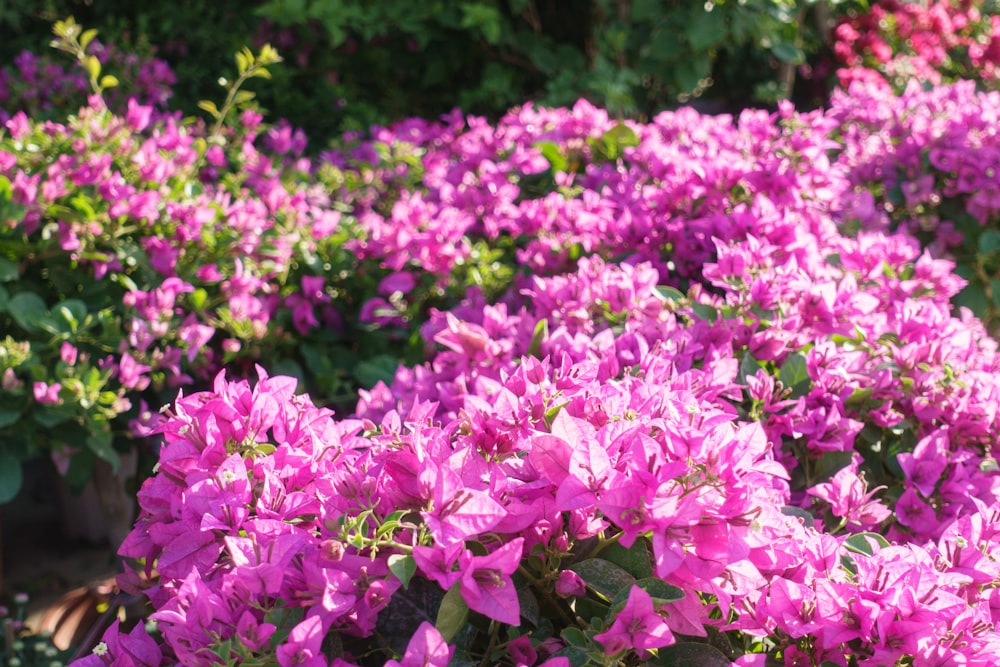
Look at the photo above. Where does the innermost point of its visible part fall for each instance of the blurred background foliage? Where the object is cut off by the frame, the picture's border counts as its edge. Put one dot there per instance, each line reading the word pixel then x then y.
pixel 353 63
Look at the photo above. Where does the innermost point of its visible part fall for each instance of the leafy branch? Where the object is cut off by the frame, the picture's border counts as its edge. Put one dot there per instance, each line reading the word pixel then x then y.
pixel 74 40
pixel 248 66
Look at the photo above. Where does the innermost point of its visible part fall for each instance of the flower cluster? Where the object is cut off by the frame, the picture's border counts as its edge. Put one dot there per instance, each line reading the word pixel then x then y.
pixel 43 88
pixel 933 41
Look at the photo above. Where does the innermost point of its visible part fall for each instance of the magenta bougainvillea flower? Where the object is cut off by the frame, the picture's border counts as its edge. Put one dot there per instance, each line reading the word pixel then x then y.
pixel 637 625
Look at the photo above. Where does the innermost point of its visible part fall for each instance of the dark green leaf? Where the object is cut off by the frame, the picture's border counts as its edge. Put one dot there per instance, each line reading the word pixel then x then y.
pixel 9 416
pixel 831 463
pixel 8 270
pixel 788 53
pixel 577 656
pixel 28 310
pixel 538 337
pixel 574 636
pixel 529 605
pixel 603 576
pixel 11 476
pixel 973 297
pixel 288 368
pixel 860 543
pixel 659 590
pixel 748 368
pixel 989 241
pixel 808 519
pixel 635 560
pixel 705 311
pixel 69 314
pixel 81 471
pixel 380 367
pixel 99 442
pixel 452 614
pixel 794 375
pixel 690 654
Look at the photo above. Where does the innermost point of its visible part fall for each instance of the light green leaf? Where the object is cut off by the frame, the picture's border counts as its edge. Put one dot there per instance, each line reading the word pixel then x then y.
pixel 402 567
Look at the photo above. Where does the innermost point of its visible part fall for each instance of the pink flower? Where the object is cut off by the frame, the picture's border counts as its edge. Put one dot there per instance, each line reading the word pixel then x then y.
pixel 427 648
pixel 304 645
pixel 486 584
pixel 569 584
pixel 135 649
pixel 47 394
pixel 636 626
pixel 68 354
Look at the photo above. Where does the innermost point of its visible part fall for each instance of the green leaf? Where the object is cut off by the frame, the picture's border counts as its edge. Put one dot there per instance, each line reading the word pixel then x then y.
pixel 661 592
pixel 70 312
pixel 198 299
pixel 807 518
pixel 705 312
pixel 577 657
pixel 210 107
pixel 403 567
pixel 11 476
pixel 553 154
pixel 574 636
pixel 529 605
pixel 452 614
pixel 989 241
pixel 690 654
pixel 973 297
pixel 670 293
pixel 995 291
pixel 603 577
pixel 9 417
pixel 28 310
pixel 100 443
pixel 538 337
pixel 81 470
pixel 859 543
pixel 794 375
pixel 788 53
pixel 635 560
pixel 9 271
pixel 748 368
pixel 380 367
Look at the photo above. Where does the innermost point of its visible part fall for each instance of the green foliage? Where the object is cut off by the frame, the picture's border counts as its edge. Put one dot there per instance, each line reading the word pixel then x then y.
pixel 353 63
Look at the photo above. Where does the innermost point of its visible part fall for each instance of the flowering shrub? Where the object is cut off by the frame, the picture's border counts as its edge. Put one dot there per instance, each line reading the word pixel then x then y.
pixel 790 459
pixel 689 391
pixel 927 162
pixel 931 41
